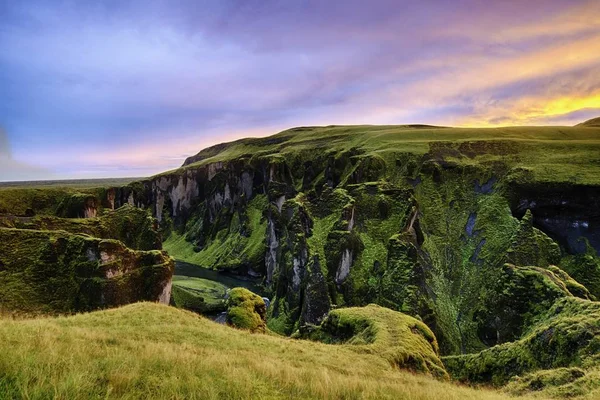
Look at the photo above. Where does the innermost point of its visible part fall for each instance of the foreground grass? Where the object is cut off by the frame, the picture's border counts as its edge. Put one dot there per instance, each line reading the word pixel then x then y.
pixel 151 351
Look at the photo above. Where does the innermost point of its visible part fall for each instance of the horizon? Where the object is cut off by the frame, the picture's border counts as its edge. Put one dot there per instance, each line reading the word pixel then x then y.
pixel 9 183
pixel 110 90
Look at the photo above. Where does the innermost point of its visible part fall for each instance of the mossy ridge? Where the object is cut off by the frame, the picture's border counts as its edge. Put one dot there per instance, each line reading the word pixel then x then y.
pixel 567 335
pixel 552 154
pixel 402 340
pixel 567 383
pixel 148 350
pixel 520 298
pixel 60 272
pixel 131 225
pixel 584 268
pixel 532 247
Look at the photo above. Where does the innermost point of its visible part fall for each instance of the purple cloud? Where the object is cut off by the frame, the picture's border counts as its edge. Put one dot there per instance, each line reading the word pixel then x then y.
pixel 90 85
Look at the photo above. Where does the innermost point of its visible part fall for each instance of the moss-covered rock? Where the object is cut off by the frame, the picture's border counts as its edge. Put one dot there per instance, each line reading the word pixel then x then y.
pixel 519 297
pixel 404 341
pixel 60 272
pixel 199 295
pixel 532 247
pixel 135 227
pixel 560 382
pixel 567 335
pixel 246 310
pixel 584 267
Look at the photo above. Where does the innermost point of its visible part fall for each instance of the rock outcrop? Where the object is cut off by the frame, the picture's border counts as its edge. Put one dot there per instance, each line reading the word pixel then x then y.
pixel 246 310
pixel 60 272
pixel 402 340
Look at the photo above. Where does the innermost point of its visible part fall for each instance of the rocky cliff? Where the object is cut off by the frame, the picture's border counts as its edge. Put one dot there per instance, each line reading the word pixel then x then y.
pixel 60 272
pixel 417 219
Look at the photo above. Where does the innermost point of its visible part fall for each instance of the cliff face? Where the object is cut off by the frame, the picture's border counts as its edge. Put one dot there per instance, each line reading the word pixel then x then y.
pixel 349 216
pixel 59 272
pixel 52 264
pixel 130 225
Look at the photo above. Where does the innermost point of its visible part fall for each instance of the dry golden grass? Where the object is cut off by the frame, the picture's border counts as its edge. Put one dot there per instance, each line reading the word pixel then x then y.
pixel 152 351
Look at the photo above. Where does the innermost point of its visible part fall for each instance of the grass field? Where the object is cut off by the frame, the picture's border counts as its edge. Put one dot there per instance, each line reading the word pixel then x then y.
pixel 550 153
pixel 147 350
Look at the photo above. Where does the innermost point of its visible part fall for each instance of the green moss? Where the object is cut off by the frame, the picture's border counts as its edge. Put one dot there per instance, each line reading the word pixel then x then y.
pixel 584 268
pixel 28 201
pixel 532 247
pixel 133 226
pixel 559 382
pixel 241 243
pixel 404 341
pixel 519 298
pixel 198 295
pixel 280 318
pixel 567 335
pixel 246 310
pixel 55 271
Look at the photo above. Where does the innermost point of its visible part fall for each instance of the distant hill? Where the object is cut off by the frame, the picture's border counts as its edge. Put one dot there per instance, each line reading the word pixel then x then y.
pixel 592 123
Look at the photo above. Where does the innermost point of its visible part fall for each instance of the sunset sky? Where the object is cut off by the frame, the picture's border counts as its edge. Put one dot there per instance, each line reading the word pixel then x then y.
pixel 130 88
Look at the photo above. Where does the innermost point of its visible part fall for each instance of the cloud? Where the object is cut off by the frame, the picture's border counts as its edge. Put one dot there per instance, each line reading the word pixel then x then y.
pixel 120 87
pixel 13 170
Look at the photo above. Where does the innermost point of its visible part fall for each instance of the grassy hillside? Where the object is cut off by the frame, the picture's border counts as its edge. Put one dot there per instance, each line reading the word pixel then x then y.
pixel 553 154
pixel 592 123
pixel 151 351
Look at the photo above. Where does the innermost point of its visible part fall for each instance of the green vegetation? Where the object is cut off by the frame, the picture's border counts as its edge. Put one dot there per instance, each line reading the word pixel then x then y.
pixel 133 226
pixel 585 268
pixel 246 310
pixel 60 272
pixel 566 336
pixel 548 154
pixel 239 243
pixel 199 295
pixel 402 340
pixel 29 201
pixel 486 239
pixel 153 351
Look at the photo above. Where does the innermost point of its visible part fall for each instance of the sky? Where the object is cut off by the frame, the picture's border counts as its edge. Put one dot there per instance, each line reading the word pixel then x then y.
pixel 117 88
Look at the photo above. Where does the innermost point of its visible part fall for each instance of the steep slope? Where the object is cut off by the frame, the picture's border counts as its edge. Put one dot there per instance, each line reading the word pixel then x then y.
pixel 402 340
pixel 418 219
pixel 60 272
pixel 563 348
pixel 153 351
